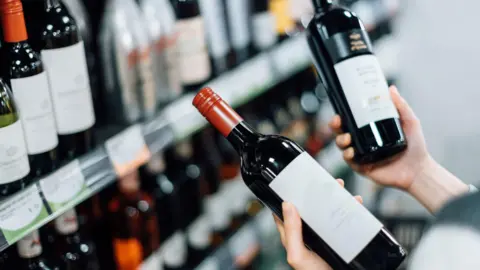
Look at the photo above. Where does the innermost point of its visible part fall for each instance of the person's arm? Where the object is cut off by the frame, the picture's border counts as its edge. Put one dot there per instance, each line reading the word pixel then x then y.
pixel 433 186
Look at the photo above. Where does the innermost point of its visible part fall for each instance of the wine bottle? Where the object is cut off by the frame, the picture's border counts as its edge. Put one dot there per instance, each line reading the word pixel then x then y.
pixel 238 14
pixel 213 11
pixel 355 83
pixel 63 53
pixel 285 24
pixel 31 256
pixel 132 223
pixel 264 30
pixel 23 70
pixel 77 252
pixel 14 166
pixel 276 169
pixel 194 64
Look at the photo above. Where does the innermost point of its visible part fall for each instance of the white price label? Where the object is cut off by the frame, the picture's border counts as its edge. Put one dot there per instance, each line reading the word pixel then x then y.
pixel 21 211
pixel 127 150
pixel 64 185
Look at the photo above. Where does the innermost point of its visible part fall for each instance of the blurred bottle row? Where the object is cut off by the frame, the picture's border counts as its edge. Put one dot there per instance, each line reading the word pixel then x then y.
pixel 180 207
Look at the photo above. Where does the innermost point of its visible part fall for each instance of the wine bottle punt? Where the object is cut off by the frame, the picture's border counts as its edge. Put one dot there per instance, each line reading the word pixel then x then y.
pixel 276 169
pixel 355 83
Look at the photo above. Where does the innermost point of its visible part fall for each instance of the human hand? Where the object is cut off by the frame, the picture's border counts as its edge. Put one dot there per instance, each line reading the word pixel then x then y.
pixel 400 170
pixel 298 256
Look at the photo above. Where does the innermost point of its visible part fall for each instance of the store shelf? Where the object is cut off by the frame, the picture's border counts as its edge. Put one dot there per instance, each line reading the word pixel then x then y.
pixel 78 180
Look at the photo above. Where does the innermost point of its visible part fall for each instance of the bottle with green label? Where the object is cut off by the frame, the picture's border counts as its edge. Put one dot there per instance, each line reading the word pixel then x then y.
pixel 14 166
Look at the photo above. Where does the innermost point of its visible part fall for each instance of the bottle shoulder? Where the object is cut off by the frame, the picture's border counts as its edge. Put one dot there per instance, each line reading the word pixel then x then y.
pixel 336 20
pixel 60 29
pixel 22 60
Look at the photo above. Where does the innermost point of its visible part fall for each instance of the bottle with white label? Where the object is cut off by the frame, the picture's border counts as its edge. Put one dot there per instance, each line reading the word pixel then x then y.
pixel 238 14
pixel 63 54
pixel 213 12
pixel 355 83
pixel 264 30
pixel 14 166
pixel 194 63
pixel 276 169
pixel 24 72
pixel 77 252
pixel 30 253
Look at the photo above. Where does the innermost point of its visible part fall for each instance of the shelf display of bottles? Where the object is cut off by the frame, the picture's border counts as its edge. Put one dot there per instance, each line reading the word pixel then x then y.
pixel 108 100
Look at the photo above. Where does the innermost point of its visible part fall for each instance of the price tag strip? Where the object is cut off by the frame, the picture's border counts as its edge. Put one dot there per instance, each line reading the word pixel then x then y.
pixel 65 187
pixel 127 150
pixel 20 213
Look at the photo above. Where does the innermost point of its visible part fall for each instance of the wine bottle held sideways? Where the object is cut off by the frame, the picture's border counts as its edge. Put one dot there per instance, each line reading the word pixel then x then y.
pixel 276 169
pixel 355 83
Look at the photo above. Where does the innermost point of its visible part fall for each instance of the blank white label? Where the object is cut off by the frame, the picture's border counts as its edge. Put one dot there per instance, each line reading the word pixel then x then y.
pixel 36 112
pixel 13 154
pixel 198 233
pixel 343 223
pixel 70 88
pixel 366 89
pixel 174 250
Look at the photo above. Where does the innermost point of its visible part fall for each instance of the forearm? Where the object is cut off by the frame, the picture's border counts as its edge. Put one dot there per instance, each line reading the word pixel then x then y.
pixel 434 186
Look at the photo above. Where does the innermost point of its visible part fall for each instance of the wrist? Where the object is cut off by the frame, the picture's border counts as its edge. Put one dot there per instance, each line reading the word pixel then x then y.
pixel 433 185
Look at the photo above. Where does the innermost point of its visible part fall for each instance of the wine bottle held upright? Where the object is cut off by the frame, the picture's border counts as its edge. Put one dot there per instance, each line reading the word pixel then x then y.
pixel 58 38
pixel 276 169
pixel 77 252
pixel 14 166
pixel 192 53
pixel 355 83
pixel 24 71
pixel 31 257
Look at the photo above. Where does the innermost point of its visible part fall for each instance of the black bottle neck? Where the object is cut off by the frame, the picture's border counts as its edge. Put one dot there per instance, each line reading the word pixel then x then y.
pixel 243 134
pixel 322 5
pixel 49 4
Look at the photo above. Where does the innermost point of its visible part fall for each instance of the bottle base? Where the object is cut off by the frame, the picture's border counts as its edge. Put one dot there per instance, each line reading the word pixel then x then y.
pixel 381 153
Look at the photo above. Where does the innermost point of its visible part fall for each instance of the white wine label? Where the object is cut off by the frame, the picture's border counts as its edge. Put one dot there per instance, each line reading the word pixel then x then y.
pixel 67 223
pixel 194 63
pixel 264 32
pixel 13 153
pixel 217 210
pixel 213 13
pixel 333 213
pixel 366 89
pixel 238 15
pixel 21 210
pixel 32 95
pixel 174 251
pixel 198 233
pixel 63 185
pixel 147 83
pixel 70 88
pixel 30 246
pixel 127 150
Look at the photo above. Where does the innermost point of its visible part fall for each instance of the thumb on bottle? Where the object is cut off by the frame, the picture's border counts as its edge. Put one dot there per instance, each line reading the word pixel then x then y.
pixel 406 113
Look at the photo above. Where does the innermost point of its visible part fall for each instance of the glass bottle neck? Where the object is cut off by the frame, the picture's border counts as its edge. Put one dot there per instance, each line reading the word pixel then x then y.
pixel 49 4
pixel 243 134
pixel 321 5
